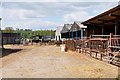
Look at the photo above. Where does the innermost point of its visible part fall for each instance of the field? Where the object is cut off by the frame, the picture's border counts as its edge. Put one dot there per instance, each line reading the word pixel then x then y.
pixel 49 62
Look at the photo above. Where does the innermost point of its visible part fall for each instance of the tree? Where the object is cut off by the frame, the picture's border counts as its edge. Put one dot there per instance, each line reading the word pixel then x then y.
pixel 9 30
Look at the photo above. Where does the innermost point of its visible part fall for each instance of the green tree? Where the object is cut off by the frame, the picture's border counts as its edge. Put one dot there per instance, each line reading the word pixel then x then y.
pixel 8 30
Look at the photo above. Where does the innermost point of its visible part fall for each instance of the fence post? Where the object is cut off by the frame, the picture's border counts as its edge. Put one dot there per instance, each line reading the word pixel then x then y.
pixel 110 39
pixel 101 56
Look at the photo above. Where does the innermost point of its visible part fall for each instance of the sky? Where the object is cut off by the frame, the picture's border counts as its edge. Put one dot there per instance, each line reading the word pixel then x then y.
pixel 49 15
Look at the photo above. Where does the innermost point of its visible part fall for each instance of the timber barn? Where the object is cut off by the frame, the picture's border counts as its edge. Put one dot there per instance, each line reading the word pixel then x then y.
pixel 105 23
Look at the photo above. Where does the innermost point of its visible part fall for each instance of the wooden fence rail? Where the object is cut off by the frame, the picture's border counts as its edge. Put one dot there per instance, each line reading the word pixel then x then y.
pixel 96 46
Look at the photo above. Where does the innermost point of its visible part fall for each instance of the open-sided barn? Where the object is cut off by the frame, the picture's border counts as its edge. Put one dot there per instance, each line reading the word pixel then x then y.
pixel 65 32
pixel 73 31
pixel 105 23
pixel 78 30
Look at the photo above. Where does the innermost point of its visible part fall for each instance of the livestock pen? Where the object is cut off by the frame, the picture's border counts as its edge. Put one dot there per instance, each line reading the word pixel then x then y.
pixel 105 49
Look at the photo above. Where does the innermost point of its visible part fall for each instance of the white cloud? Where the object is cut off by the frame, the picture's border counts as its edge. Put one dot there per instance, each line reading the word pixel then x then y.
pixel 49 15
pixel 0 10
pixel 76 16
pixel 32 24
pixel 60 0
pixel 16 14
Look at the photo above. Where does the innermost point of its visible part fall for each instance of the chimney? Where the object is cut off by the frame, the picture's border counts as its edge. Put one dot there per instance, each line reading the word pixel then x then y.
pixel 119 3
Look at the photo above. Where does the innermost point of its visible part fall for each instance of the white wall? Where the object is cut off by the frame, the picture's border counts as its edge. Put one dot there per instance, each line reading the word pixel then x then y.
pixel 58 33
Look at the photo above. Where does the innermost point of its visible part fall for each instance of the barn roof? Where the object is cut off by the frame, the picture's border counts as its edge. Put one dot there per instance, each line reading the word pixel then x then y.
pixel 107 17
pixel 77 26
pixel 66 28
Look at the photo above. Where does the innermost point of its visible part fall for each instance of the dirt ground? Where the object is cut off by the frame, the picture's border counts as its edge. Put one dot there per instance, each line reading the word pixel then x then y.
pixel 49 62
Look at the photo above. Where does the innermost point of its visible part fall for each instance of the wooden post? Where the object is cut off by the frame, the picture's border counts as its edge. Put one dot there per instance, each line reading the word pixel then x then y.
pixel 72 35
pixel 90 52
pixel 116 26
pixel 101 57
pixel 69 34
pixel 102 30
pixel 115 29
pixel 93 30
pixel 81 33
pixel 85 52
pixel 96 55
pixel 90 48
pixel 76 35
pixel 110 39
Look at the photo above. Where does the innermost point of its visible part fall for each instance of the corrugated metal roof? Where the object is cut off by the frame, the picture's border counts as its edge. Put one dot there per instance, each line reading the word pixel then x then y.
pixel 104 16
pixel 66 28
pixel 80 25
pixel 77 26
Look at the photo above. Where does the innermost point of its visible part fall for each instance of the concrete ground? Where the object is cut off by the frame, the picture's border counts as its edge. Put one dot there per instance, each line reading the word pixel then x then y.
pixel 49 62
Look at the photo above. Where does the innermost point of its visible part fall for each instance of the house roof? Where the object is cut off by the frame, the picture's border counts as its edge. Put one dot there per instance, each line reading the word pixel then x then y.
pixel 66 28
pixel 107 17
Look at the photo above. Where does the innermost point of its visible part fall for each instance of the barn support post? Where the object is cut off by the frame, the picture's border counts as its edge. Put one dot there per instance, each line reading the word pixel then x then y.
pixel 103 30
pixel 72 35
pixel 93 30
pixel 115 30
pixel 69 34
pixel 76 35
pixel 81 33
pixel 116 26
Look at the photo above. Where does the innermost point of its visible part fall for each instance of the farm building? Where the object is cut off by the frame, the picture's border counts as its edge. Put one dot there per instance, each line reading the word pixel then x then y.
pixel 11 38
pixel 78 30
pixel 65 32
pixel 58 33
pixel 105 23
pixel 75 30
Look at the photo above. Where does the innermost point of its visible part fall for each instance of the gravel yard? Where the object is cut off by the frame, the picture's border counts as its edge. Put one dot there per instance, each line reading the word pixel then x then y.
pixel 49 62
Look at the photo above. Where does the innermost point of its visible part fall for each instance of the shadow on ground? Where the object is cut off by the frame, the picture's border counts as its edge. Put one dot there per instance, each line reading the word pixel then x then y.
pixel 6 52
